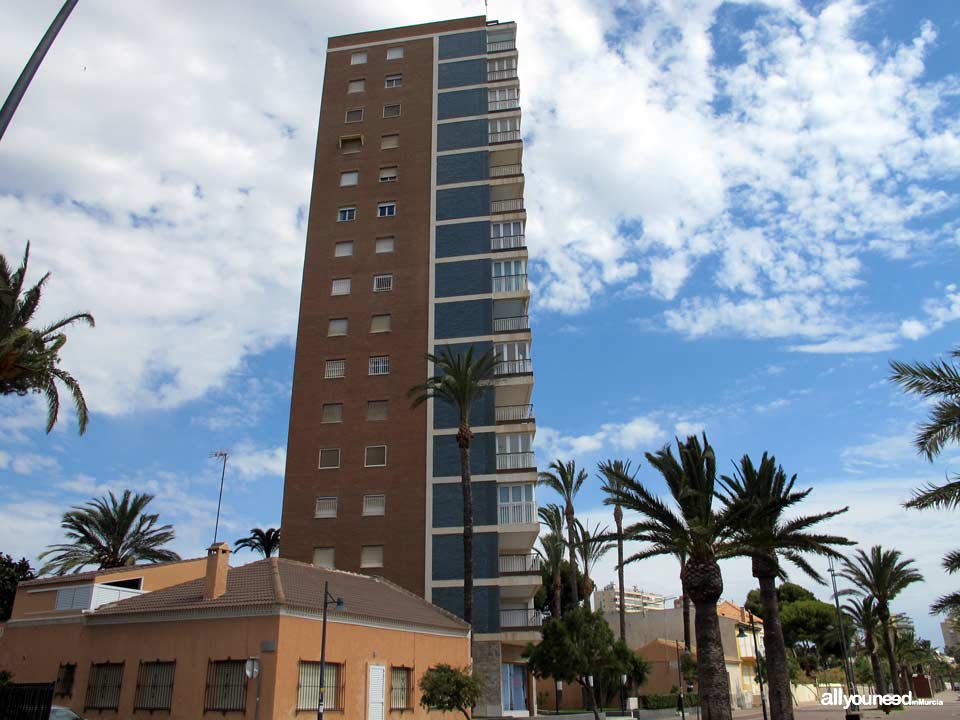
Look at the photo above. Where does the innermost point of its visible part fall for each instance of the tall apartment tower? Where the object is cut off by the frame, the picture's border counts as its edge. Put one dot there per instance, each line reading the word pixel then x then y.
pixel 415 242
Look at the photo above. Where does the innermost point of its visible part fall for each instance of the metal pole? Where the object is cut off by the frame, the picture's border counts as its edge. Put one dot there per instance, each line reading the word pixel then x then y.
pixel 854 710
pixel 756 654
pixel 33 64
pixel 559 689
pixel 323 653
pixel 256 711
pixel 221 454
pixel 681 683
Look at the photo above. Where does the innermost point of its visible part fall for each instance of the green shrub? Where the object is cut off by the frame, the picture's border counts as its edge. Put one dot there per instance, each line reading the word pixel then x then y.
pixel 664 701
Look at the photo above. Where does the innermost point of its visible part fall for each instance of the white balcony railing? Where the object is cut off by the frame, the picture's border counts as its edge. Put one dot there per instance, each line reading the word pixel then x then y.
pixel 508 242
pixel 513 367
pixel 508 104
pixel 519 564
pixel 514 413
pixel 511 324
pixel 379 365
pixel 517 513
pixel 521 619
pixel 503 137
pixel 501 45
pixel 382 283
pixel 509 283
pixel 506 170
pixel 508 74
pixel 515 461
pixel 508 205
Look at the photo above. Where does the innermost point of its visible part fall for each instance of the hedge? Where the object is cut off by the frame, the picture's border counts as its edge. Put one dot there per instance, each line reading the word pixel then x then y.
pixel 662 701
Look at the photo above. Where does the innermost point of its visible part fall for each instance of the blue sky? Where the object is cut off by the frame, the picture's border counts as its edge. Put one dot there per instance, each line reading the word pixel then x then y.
pixel 739 212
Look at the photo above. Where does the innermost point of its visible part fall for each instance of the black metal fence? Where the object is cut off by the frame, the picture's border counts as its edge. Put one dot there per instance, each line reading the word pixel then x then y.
pixel 26 701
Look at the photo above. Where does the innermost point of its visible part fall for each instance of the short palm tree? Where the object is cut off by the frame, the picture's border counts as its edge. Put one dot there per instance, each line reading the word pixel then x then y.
pixel 884 574
pixel 610 471
pixel 757 498
pixel 30 358
pixel 460 379
pixel 863 612
pixel 565 480
pixel 266 542
pixel 592 545
pixel 698 534
pixel 108 533
pixel 552 549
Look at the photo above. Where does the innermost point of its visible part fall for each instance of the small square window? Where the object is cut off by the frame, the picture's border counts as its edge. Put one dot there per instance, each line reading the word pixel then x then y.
pixel 387 209
pixel 394 53
pixel 355 86
pixel 393 81
pixel 388 142
pixel 337 327
pixel 382 283
pixel 388 174
pixel 349 178
pixel 326 507
pixel 334 369
pixel 358 58
pixel 384 245
pixel 323 557
pixel 371 556
pixel 377 410
pixel 380 324
pixel 346 214
pixel 378 365
pixel 375 456
pixel 329 458
pixel 354 115
pixel 374 504
pixel 350 144
pixel 343 249
pixel 391 111
pixel 340 286
pixel 332 413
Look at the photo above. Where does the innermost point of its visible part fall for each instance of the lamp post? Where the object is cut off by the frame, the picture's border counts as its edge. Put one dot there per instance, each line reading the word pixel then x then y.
pixel 680 683
pixel 328 599
pixel 623 693
pixel 590 691
pixel 559 694
pixel 756 654
pixel 852 712
pixel 219 454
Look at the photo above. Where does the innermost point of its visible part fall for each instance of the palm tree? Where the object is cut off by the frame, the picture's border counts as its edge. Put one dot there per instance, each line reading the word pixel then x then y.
pixel 591 546
pixel 266 542
pixel 945 497
pixel 553 547
pixel 610 471
pixel 460 380
pixel 757 498
pixel 697 534
pixel 863 612
pixel 110 534
pixel 29 358
pixel 565 480
pixel 884 574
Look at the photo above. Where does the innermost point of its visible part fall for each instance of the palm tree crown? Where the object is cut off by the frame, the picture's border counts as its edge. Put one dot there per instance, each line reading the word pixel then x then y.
pixel 30 358
pixel 565 480
pixel 592 545
pixel 109 533
pixel 266 542
pixel 938 380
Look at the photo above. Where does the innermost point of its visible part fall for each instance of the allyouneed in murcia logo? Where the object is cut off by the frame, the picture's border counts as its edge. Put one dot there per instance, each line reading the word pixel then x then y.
pixel 837 697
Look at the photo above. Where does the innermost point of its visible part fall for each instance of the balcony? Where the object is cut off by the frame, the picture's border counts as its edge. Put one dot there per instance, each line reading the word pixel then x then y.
pixel 523 512
pixel 511 324
pixel 506 104
pixel 503 137
pixel 523 366
pixel 509 283
pixel 520 564
pixel 507 242
pixel 516 461
pixel 501 46
pixel 514 413
pixel 505 74
pixel 520 619
pixel 506 206
pixel 506 170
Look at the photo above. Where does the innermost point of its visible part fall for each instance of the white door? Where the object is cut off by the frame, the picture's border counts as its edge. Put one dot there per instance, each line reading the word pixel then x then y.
pixel 376 691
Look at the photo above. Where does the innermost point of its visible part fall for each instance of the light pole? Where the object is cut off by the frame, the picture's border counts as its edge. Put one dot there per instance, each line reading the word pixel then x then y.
pixel 680 683
pixel 623 693
pixel 559 694
pixel 219 454
pixel 756 654
pixel 853 712
pixel 328 599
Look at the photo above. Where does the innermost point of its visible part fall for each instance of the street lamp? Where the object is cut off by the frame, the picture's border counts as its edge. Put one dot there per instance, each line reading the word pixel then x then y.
pixel 328 600
pixel 590 690
pixel 559 694
pixel 852 712
pixel 219 454
pixel 756 654
pixel 683 714
pixel 623 693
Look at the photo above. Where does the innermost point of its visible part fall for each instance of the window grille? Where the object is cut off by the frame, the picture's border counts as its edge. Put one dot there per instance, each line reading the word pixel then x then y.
pixel 103 686
pixel 308 690
pixel 401 690
pixel 154 686
pixel 335 369
pixel 326 507
pixel 382 283
pixel 226 688
pixel 374 504
pixel 379 365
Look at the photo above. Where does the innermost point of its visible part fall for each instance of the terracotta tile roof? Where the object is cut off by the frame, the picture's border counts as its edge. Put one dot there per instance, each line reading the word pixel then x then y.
pixel 295 585
pixel 728 609
pixel 91 574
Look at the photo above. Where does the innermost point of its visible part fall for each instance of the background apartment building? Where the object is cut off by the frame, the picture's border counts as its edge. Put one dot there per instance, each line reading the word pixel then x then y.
pixel 635 600
pixel 415 241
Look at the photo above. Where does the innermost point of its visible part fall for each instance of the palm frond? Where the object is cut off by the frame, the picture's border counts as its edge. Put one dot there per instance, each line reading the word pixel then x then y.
pixel 946 496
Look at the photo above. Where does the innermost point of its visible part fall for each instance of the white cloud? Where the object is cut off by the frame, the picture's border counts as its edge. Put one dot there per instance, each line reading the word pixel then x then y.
pixel 939 312
pixel 637 433
pixel 251 462
pixel 777 404
pixel 28 463
pixel 686 428
pixel 881 451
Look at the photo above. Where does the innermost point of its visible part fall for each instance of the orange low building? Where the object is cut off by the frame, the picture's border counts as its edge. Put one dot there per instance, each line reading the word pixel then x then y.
pixel 180 650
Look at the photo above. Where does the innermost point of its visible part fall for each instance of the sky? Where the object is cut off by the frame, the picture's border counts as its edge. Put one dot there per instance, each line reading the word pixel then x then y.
pixel 739 212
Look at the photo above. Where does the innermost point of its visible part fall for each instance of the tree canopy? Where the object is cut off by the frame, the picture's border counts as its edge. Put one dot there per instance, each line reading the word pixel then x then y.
pixel 12 572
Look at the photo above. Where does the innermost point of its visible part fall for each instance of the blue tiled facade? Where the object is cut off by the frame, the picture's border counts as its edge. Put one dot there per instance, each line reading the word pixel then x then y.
pixel 464 72
pixel 448 503
pixel 459 135
pixel 483 412
pixel 470 318
pixel 470 277
pixel 465 202
pixel 462 103
pixel 462 44
pixel 470 238
pixel 446 455
pixel 486 605
pixel 448 556
pixel 463 167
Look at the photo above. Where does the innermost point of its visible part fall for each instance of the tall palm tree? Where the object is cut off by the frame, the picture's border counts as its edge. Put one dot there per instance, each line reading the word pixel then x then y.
pixel 565 480
pixel 609 472
pixel 944 497
pixel 30 358
pixel 266 542
pixel 699 534
pixel 460 379
pixel 109 533
pixel 553 547
pixel 863 612
pixel 592 545
pixel 757 498
pixel 884 574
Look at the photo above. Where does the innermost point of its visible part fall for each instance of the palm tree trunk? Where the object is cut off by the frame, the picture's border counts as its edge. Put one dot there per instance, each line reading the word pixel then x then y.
pixel 702 581
pixel 878 680
pixel 557 610
pixel 884 615
pixel 618 519
pixel 778 672
pixel 574 593
pixel 467 524
pixel 685 601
